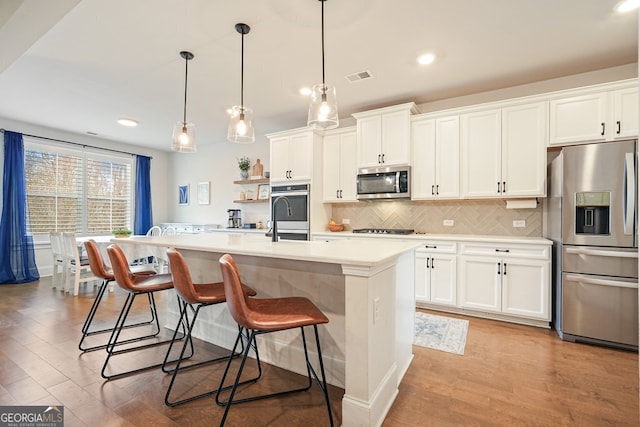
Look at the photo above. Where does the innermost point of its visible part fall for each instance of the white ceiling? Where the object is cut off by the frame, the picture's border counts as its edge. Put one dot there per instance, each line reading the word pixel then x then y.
pixel 79 65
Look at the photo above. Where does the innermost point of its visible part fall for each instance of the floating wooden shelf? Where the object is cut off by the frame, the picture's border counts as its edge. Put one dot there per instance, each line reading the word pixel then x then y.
pixel 253 181
pixel 251 201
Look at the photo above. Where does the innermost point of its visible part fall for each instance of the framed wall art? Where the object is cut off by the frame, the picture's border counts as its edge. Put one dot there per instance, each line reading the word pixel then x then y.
pixel 263 191
pixel 183 195
pixel 203 193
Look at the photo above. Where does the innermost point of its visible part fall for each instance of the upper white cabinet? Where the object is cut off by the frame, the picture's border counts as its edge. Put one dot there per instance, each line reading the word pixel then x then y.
pixel 383 136
pixel 625 113
pixel 599 116
pixel 292 155
pixel 503 151
pixel 339 165
pixel 435 145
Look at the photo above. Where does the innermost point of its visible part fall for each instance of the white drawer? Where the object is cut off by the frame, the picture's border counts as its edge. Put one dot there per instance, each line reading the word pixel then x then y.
pixel 505 251
pixel 436 246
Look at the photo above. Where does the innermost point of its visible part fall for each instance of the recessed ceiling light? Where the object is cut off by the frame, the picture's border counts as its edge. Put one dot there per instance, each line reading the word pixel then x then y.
pixel 305 91
pixel 627 6
pixel 426 59
pixel 130 123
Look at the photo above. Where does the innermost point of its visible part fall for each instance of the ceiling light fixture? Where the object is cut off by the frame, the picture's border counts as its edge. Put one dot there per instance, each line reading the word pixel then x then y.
pixel 130 123
pixel 426 59
pixel 627 6
pixel 241 123
pixel 323 109
pixel 184 133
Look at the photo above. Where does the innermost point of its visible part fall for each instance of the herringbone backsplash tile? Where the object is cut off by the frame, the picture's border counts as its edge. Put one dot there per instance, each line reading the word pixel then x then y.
pixel 488 217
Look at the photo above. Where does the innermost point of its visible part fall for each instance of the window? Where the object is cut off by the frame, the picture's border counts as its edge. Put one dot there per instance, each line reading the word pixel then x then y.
pixel 77 190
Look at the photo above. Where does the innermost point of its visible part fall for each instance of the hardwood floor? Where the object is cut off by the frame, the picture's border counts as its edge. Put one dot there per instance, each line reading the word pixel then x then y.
pixel 510 375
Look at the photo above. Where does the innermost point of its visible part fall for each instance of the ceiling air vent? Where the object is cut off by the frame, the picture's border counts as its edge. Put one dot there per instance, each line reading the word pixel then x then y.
pixel 361 75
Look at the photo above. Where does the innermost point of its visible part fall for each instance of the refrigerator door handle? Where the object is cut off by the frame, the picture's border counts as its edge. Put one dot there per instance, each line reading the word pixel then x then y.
pixel 601 252
pixel 603 282
pixel 629 196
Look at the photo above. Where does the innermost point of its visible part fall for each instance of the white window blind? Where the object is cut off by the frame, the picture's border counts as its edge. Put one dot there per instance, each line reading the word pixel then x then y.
pixel 77 191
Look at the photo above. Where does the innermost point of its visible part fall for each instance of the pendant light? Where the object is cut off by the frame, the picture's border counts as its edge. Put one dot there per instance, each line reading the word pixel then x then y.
pixel 184 133
pixel 241 123
pixel 323 109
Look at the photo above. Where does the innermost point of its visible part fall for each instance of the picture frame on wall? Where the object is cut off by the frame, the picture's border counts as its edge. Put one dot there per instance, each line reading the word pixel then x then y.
pixel 203 193
pixel 183 195
pixel 263 191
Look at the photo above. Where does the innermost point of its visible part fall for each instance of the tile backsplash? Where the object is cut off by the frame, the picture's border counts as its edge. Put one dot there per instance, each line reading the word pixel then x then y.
pixel 487 217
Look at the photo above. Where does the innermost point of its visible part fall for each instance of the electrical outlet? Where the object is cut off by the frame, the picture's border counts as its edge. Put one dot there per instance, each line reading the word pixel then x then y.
pixel 346 220
pixel 519 223
pixel 376 310
pixel 447 223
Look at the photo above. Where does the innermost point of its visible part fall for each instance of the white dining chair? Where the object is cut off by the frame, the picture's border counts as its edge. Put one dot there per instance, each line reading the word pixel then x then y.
pixel 169 231
pixel 154 231
pixel 59 264
pixel 76 267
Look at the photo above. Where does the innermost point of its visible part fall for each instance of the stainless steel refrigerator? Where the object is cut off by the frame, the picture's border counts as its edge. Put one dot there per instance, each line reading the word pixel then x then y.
pixel 592 219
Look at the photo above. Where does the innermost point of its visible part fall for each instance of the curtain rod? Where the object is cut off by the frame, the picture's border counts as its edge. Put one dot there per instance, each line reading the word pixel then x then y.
pixel 75 143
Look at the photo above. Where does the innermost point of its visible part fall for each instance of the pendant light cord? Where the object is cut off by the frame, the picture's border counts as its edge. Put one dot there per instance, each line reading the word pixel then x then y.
pixel 322 23
pixel 242 75
pixel 186 74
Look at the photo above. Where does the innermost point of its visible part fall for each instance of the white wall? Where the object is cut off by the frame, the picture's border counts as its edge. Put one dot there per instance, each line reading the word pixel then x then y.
pixel 215 162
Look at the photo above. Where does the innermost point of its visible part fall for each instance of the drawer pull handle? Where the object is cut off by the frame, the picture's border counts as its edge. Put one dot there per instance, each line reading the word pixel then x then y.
pixel 502 250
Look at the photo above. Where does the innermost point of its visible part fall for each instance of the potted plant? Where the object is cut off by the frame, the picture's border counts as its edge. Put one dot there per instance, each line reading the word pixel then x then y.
pixel 244 165
pixel 122 232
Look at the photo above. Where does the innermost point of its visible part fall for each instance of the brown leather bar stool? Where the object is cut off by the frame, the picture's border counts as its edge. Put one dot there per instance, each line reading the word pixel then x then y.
pixel 194 296
pixel 264 315
pixel 134 286
pixel 106 274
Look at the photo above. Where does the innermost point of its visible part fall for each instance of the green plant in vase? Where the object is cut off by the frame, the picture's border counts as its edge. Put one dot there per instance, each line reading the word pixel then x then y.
pixel 244 164
pixel 122 232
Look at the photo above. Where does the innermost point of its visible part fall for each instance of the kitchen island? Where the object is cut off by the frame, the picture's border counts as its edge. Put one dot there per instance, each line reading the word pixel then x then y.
pixel 363 287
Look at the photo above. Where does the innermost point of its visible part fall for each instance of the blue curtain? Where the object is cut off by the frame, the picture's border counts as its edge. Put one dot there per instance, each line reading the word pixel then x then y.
pixel 143 219
pixel 17 257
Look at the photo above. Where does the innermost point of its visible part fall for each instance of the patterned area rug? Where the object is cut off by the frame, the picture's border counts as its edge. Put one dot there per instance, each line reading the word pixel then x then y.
pixel 441 333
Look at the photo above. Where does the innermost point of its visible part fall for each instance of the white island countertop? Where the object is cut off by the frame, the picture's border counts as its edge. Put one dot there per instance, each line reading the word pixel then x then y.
pixel 352 252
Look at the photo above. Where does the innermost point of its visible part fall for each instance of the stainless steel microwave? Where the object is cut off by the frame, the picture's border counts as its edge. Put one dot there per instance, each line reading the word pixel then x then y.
pixel 386 182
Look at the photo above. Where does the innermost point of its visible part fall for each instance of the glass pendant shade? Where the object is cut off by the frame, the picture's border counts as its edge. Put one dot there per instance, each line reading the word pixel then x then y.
pixel 323 109
pixel 184 132
pixel 184 137
pixel 241 125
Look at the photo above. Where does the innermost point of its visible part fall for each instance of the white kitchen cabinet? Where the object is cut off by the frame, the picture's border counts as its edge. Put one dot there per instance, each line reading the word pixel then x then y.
pixel 292 156
pixel 578 118
pixel 435 147
pixel 599 116
pixel 339 166
pixel 507 279
pixel 504 152
pixel 481 154
pixel 625 113
pixel 435 273
pixel 383 136
pixel 480 283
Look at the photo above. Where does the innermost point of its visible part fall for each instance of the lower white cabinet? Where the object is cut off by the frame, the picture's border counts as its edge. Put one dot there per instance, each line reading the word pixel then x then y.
pixel 435 273
pixel 511 280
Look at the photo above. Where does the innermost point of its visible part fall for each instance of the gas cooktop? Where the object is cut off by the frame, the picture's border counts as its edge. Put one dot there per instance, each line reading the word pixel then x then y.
pixel 384 230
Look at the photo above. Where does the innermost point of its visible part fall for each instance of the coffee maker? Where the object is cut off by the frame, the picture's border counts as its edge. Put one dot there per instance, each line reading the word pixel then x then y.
pixel 234 218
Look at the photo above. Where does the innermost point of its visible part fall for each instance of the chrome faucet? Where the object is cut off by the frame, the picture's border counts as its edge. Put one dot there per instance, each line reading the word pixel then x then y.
pixel 274 230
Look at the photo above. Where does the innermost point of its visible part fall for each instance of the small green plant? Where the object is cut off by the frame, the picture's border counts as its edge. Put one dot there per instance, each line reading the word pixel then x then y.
pixel 244 164
pixel 121 231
